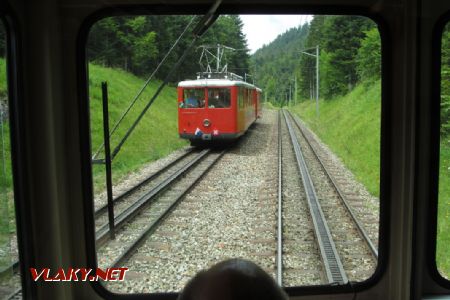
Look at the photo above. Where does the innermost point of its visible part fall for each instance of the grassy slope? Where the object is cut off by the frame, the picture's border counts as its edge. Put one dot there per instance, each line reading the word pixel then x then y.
pixel 7 222
pixel 443 230
pixel 350 126
pixel 154 137
pixel 268 105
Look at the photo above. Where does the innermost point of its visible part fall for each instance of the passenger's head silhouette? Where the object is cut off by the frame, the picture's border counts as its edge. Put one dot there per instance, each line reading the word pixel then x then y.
pixel 234 279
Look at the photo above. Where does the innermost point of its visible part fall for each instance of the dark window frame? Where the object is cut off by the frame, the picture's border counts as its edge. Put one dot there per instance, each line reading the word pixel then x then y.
pixel 19 161
pixel 435 140
pixel 385 137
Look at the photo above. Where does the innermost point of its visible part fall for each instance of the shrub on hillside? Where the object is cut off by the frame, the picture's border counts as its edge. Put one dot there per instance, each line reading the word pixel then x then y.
pixel 369 57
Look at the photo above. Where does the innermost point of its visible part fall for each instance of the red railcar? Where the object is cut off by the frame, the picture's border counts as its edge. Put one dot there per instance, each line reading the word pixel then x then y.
pixel 216 109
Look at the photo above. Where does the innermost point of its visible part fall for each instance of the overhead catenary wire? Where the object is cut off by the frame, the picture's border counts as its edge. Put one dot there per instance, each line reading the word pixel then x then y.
pixel 158 91
pixel 202 26
pixel 133 102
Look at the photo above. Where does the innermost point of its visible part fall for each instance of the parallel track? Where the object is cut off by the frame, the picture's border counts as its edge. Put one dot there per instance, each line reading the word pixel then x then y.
pixel 11 269
pixel 104 208
pixel 102 234
pixel 334 270
pixel 99 212
pixel 153 225
pixel 16 295
pixel 279 259
pixel 14 267
pixel 360 228
pixel 332 263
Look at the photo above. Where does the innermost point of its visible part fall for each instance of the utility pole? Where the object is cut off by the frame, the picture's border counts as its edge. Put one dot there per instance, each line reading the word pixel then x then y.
pixel 317 80
pixel 317 74
pixel 295 95
pixel 290 93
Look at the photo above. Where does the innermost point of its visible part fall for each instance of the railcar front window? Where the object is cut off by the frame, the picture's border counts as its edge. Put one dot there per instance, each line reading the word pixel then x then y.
pixel 195 182
pixel 443 229
pixel 193 98
pixel 219 98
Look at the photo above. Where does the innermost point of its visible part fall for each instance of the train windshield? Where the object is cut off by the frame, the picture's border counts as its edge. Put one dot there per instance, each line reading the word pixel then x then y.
pixel 181 199
pixel 219 98
pixel 193 98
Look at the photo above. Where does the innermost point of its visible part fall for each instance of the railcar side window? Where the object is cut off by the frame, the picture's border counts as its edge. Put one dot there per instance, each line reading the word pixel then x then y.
pixel 193 98
pixel 9 264
pixel 219 98
pixel 195 173
pixel 443 229
pixel 241 97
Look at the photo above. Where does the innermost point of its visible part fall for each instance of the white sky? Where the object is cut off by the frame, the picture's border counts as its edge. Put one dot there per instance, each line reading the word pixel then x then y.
pixel 262 29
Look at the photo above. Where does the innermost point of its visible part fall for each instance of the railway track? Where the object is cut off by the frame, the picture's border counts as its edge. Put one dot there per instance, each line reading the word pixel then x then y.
pixel 129 204
pixel 299 260
pixel 11 269
pixel 120 204
pixel 16 295
pixel 332 264
pixel 167 203
pixel 357 251
pixel 309 247
pixel 363 220
pixel 138 220
pixel 336 227
pixel 279 258
pixel 101 207
pixel 152 200
pixel 224 217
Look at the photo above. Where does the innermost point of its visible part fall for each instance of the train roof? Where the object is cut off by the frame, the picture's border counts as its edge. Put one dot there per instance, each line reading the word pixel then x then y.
pixel 216 83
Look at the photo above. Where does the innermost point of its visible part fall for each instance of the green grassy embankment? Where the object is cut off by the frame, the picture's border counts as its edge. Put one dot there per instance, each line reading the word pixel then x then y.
pixel 155 136
pixel 7 220
pixel 269 105
pixel 350 126
pixel 443 229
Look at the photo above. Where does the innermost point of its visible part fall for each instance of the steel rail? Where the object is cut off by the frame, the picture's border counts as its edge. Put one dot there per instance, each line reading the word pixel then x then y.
pixel 16 295
pixel 121 197
pixel 102 234
pixel 341 195
pixel 130 250
pixel 121 219
pixel 331 260
pixel 280 208
pixel 14 267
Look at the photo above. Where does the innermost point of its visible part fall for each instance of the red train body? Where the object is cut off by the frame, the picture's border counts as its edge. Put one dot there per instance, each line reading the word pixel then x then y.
pixel 216 109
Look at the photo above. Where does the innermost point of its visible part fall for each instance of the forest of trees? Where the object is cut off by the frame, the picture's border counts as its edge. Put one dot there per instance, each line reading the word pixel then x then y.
pixel 349 52
pixel 138 44
pixel 274 65
pixel 2 41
